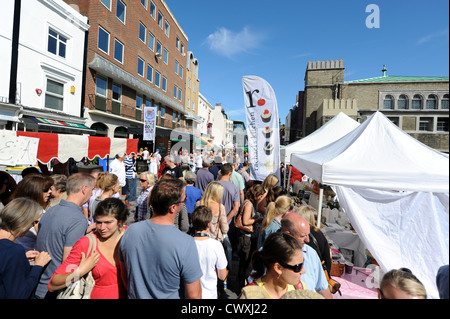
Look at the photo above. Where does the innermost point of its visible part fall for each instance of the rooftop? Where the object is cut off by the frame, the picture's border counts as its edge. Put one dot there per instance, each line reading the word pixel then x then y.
pixel 395 78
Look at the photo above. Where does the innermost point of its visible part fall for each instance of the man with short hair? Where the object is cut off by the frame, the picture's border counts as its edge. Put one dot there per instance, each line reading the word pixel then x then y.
pixel 159 261
pixel 62 226
pixel 117 167
pixel 314 278
pixel 204 176
pixel 171 168
pixel 230 198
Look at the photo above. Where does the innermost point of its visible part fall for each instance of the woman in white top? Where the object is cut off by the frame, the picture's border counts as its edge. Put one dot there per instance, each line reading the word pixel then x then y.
pixel 153 167
pixel 210 251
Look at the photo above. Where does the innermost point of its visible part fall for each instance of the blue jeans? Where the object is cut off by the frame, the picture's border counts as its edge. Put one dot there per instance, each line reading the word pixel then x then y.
pixel 131 184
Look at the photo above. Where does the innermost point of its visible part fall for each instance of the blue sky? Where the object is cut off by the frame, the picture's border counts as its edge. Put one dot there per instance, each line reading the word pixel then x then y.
pixel 276 39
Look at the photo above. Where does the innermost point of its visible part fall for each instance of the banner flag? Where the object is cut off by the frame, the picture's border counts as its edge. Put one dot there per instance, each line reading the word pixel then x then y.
pixel 262 128
pixel 149 123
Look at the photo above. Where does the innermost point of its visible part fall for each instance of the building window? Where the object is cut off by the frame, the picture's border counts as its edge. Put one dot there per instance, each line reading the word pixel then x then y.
pixel 54 95
pixel 444 102
pixel 149 73
pixel 388 103
pixel 164 84
pixel 416 102
pixel 181 71
pixel 193 106
pixel 166 56
pixel 176 66
pixel 175 91
pixel 103 40
pixel 426 124
pixel 140 67
pixel 402 102
pixel 106 3
pixel 394 120
pixel 432 102
pixel 182 48
pixel 151 41
pixel 121 11
pixel 178 43
pixel 167 28
pixel 152 10
pixel 144 3
pixel 442 124
pixel 139 101
pixel 174 117
pixel 116 92
pixel 158 47
pixel 157 79
pixel 179 94
pixel 142 32
pixel 160 20
pixel 56 43
pixel 118 51
pixel 100 86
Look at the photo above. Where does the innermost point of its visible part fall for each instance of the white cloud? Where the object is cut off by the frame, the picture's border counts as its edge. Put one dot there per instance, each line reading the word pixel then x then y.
pixel 228 43
pixel 432 36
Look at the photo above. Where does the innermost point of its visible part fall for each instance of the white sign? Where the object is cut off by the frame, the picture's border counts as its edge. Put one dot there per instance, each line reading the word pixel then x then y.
pixel 17 150
pixel 149 123
pixel 262 128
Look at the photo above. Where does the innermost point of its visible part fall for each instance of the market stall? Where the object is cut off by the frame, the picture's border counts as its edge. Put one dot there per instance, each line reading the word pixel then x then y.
pixel 395 192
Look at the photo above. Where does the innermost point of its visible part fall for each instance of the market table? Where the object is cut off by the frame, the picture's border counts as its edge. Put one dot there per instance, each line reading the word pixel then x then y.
pixel 347 239
pixel 357 285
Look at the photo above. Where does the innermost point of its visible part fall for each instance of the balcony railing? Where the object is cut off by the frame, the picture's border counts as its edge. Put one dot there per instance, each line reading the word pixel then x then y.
pixel 110 106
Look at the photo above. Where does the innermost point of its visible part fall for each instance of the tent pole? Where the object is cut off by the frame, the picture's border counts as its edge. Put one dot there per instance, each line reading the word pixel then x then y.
pixel 319 209
pixel 289 179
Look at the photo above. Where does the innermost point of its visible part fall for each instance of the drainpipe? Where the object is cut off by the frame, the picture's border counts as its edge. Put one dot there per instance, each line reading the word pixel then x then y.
pixel 14 52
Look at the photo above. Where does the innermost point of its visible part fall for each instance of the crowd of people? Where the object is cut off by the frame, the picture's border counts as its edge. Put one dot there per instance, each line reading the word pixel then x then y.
pixel 189 222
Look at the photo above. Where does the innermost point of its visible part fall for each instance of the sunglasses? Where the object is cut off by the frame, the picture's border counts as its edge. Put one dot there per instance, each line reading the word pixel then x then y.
pixel 143 180
pixel 294 268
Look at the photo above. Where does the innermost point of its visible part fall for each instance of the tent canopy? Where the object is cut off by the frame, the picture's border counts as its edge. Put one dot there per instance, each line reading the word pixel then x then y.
pixel 379 155
pixel 65 146
pixel 333 130
pixel 395 192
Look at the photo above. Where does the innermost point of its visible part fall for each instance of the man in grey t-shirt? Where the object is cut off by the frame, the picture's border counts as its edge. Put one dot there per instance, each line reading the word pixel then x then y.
pixel 159 261
pixel 62 226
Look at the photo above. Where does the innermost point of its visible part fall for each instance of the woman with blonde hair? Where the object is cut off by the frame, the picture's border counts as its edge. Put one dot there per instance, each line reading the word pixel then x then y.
pixel 109 184
pixel 401 284
pixel 317 239
pixel 272 220
pixel 212 198
pixel 18 278
pixel 269 182
pixel 147 181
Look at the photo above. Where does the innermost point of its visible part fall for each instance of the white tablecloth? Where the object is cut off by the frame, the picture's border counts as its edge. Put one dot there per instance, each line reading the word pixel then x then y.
pixel 347 239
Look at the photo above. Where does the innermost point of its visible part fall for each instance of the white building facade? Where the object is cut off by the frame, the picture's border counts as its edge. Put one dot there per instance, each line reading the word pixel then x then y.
pixel 50 63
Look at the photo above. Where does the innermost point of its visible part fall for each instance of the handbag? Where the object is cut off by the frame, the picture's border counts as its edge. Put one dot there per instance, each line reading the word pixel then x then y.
pixel 238 223
pixel 333 285
pixel 82 288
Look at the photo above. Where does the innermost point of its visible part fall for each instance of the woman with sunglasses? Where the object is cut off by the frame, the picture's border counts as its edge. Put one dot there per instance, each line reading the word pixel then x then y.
pixel 147 181
pixel 277 268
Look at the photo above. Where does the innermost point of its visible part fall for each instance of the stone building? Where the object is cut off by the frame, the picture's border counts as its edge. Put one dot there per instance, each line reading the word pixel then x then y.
pixel 419 105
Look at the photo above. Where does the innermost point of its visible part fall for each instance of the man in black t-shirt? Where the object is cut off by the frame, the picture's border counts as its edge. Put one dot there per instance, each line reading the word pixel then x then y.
pixel 172 169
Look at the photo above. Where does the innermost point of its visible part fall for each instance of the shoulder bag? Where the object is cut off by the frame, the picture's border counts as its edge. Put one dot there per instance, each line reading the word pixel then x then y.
pixel 238 222
pixel 82 288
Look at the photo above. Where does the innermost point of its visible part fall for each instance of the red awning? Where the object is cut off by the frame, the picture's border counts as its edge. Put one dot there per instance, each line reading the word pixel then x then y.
pixel 65 146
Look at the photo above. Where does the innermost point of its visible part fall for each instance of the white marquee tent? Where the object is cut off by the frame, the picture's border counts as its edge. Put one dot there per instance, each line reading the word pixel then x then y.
pixel 333 130
pixel 395 192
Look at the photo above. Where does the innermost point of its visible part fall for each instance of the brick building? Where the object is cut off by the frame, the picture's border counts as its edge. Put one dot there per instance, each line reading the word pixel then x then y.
pixel 135 57
pixel 419 105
